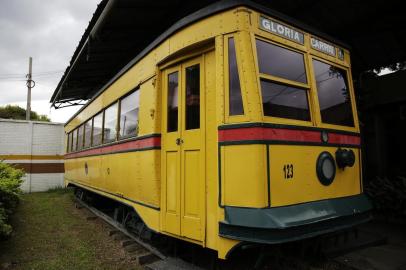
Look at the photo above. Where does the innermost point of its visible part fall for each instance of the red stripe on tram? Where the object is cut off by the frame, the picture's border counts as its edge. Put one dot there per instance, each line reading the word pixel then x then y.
pixel 152 142
pixel 284 135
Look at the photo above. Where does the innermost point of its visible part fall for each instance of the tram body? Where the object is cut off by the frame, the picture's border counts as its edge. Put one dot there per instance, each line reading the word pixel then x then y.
pixel 237 128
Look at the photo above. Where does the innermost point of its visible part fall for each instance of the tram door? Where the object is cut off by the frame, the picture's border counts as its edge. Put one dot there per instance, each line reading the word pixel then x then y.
pixel 183 160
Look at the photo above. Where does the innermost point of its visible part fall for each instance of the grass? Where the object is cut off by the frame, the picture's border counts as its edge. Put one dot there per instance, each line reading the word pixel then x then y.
pixel 50 233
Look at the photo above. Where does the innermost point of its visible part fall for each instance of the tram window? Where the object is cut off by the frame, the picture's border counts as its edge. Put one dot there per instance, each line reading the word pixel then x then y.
pixel 88 133
pixel 68 140
pixel 280 62
pixel 193 97
pixel 74 140
pixel 284 101
pixel 235 99
pixel 80 137
pixel 110 123
pixel 172 105
pixel 333 93
pixel 129 110
pixel 97 129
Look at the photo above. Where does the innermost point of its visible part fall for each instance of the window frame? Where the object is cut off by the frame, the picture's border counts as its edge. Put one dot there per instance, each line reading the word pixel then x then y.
pixel 117 121
pixel 102 128
pixel 83 137
pixel 278 80
pixel 233 118
pixel 347 70
pixel 102 111
pixel 71 142
pixel 165 115
pixel 309 54
pixel 76 146
pixel 185 65
pixel 91 133
pixel 68 142
pixel 119 138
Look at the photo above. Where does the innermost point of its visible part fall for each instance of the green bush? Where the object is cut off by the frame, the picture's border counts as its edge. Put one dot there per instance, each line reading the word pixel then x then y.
pixel 10 182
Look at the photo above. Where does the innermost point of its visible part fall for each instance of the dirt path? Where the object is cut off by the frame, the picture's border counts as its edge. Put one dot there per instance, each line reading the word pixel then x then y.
pixel 50 233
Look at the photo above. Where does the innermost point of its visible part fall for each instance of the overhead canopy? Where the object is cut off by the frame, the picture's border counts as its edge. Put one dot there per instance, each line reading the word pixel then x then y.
pixel 120 30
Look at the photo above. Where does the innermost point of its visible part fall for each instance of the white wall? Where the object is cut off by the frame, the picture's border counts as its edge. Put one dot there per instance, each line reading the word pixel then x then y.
pixel 36 146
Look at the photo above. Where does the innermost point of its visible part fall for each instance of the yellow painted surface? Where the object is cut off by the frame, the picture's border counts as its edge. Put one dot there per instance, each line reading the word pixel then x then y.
pixel 149 113
pixel 244 169
pixel 149 216
pixel 183 181
pixel 305 185
pixel 183 167
pixel 132 175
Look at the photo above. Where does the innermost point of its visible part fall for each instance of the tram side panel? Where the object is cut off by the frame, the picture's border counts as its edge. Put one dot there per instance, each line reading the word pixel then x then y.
pixel 132 171
pixel 135 174
pixel 294 177
pixel 244 175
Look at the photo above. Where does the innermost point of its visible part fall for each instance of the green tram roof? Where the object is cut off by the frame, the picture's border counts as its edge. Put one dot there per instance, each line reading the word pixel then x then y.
pixel 121 32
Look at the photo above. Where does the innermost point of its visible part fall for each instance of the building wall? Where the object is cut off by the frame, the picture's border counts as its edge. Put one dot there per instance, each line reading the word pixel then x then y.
pixel 384 125
pixel 35 147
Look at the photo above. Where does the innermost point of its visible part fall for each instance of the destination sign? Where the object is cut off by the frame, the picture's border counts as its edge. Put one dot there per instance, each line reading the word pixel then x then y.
pixel 281 30
pixel 322 46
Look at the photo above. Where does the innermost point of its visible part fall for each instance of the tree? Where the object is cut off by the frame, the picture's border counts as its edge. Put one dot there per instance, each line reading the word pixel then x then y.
pixel 18 113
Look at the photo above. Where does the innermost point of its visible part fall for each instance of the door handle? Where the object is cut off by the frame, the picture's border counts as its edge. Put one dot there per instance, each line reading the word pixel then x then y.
pixel 179 141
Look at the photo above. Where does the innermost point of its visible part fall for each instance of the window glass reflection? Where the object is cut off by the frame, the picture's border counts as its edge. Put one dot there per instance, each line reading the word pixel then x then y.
pixel 74 140
pixel 129 110
pixel 88 133
pixel 280 62
pixel 97 129
pixel 172 105
pixel 110 123
pixel 193 97
pixel 235 99
pixel 80 137
pixel 284 101
pixel 333 93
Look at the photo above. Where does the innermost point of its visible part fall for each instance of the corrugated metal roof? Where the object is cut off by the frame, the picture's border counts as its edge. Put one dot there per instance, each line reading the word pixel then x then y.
pixel 121 29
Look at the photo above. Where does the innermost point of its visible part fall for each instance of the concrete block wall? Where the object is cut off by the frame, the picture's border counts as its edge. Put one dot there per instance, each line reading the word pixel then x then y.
pixel 35 147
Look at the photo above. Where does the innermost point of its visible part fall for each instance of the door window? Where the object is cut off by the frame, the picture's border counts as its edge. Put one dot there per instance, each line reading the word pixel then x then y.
pixel 172 106
pixel 192 97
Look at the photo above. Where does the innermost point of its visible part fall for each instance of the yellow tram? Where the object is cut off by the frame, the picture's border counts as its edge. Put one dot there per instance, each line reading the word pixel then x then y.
pixel 236 126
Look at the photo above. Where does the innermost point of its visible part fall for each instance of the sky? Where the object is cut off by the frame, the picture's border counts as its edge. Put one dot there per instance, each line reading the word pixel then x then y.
pixel 48 31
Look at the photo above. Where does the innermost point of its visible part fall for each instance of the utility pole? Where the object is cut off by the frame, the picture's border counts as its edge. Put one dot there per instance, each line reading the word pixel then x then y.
pixel 30 84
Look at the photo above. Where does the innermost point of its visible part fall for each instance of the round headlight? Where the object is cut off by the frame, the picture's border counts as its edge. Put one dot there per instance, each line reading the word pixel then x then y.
pixel 326 168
